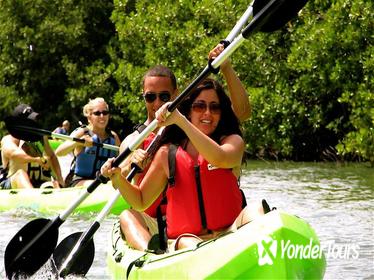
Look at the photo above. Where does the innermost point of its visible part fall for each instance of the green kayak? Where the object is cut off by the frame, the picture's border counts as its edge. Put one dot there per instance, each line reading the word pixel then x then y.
pixel 57 200
pixel 54 143
pixel 275 246
pixel 49 200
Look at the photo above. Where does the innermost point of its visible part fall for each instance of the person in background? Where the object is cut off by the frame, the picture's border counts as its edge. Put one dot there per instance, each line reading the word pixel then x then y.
pixel 159 86
pixel 90 158
pixel 208 138
pixel 64 129
pixel 29 164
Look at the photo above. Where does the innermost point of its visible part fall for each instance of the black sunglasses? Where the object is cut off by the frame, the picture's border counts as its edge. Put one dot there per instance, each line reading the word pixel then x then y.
pixel 150 97
pixel 200 107
pixel 98 113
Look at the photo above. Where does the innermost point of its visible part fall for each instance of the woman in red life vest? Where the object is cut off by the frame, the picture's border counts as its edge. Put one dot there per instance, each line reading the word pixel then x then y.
pixel 205 198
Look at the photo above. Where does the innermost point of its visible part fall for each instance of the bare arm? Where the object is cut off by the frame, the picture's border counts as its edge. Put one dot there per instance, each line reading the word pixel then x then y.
pixel 11 150
pixel 141 197
pixel 69 146
pixel 228 154
pixel 126 164
pixel 8 145
pixel 55 165
pixel 138 156
pixel 117 141
pixel 238 94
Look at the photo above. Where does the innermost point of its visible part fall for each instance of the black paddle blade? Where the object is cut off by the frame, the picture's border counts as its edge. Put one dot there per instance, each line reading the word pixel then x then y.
pixel 284 13
pixel 84 258
pixel 22 128
pixel 26 262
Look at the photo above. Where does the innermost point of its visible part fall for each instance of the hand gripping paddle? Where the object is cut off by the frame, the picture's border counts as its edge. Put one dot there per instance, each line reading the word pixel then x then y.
pixel 23 253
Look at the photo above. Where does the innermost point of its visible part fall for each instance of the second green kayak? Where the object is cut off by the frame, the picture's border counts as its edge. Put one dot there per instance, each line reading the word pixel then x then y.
pixel 57 200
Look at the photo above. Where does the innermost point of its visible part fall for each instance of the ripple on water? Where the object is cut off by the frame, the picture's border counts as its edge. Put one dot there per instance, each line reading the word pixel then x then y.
pixel 336 201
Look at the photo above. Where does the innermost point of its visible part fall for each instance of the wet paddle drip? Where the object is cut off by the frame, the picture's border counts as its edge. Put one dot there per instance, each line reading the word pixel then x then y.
pixel 47 271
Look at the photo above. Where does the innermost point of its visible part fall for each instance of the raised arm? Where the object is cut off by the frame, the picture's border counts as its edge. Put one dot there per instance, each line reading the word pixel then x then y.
pixel 238 94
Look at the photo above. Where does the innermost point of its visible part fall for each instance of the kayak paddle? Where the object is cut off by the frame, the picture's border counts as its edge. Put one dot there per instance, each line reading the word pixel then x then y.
pixel 32 246
pixel 81 256
pixel 23 255
pixel 283 11
pixel 23 248
pixel 75 254
pixel 29 130
pixel 77 261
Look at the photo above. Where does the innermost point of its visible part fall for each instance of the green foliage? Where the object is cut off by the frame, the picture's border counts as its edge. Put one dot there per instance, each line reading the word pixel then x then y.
pixel 50 48
pixel 177 34
pixel 321 91
pixel 311 83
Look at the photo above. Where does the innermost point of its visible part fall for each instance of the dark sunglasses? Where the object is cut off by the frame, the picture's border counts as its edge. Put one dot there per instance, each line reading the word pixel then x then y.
pixel 150 97
pixel 200 107
pixel 98 113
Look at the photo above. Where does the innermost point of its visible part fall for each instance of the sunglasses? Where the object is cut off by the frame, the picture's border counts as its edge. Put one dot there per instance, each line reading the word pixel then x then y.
pixel 150 97
pixel 98 113
pixel 200 107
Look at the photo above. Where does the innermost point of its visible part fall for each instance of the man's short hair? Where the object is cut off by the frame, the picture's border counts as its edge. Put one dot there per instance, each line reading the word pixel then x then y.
pixel 161 71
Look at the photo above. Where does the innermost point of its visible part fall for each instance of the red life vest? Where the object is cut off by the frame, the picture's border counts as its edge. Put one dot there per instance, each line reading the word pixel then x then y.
pixel 220 203
pixel 147 141
pixel 151 210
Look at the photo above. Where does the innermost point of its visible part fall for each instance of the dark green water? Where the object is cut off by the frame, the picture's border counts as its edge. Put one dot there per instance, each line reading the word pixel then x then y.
pixel 337 200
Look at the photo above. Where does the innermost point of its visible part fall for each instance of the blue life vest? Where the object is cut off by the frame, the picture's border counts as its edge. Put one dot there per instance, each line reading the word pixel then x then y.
pixel 90 160
pixel 61 130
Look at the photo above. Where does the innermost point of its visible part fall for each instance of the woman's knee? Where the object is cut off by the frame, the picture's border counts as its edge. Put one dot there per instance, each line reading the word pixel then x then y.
pixel 130 217
pixel 249 213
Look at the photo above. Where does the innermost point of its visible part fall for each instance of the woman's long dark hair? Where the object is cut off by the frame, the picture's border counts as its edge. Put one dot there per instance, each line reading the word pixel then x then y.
pixel 227 125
